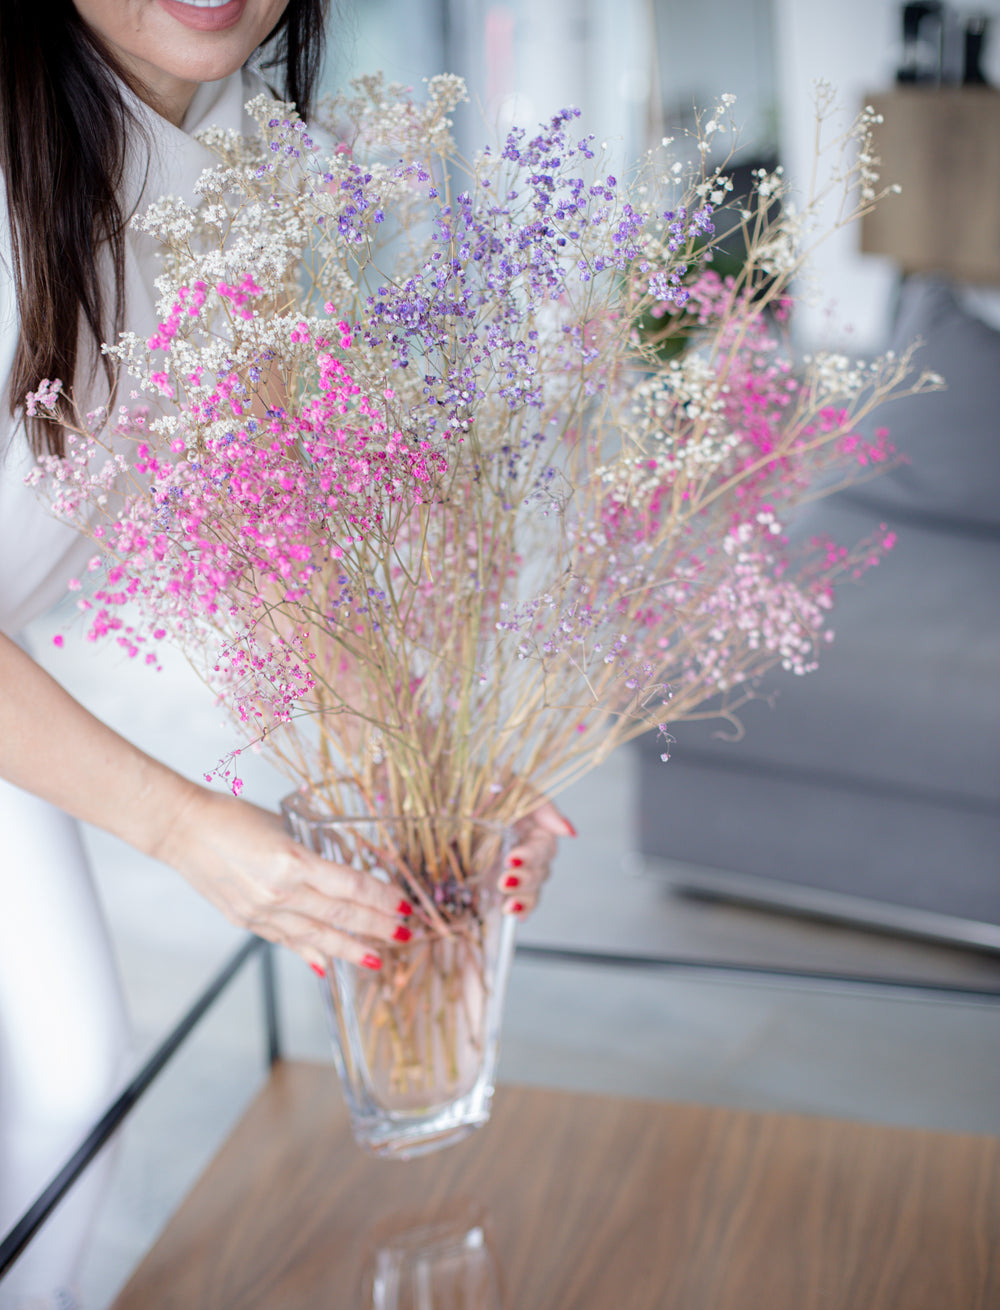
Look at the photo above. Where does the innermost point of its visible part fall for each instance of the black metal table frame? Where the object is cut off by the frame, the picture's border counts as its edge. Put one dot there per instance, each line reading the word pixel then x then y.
pixel 17 1239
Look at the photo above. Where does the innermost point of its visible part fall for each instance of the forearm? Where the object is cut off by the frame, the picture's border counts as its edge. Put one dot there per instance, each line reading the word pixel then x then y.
pixel 51 746
pixel 238 856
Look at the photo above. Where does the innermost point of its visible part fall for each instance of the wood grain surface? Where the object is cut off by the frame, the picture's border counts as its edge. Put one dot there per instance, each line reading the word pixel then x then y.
pixel 942 146
pixel 592 1203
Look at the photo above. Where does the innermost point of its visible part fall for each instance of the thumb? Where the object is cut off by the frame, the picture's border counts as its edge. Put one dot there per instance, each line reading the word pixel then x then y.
pixel 547 817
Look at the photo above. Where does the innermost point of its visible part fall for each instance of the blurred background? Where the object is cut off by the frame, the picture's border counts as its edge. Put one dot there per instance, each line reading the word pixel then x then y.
pixel 638 69
pixel 854 834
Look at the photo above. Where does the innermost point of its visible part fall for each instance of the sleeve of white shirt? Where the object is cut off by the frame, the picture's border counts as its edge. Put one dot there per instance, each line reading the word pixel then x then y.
pixel 38 554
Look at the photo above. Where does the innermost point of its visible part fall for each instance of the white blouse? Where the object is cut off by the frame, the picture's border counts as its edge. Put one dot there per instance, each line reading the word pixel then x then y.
pixel 38 554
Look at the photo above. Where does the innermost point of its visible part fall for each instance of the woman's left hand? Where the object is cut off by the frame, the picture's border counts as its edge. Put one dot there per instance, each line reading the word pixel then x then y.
pixel 529 858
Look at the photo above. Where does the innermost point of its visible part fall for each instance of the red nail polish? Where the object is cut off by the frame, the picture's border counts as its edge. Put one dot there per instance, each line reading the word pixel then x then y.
pixel 402 934
pixel 404 907
pixel 512 881
pixel 515 861
pixel 371 962
pixel 318 971
pixel 516 908
pixel 572 830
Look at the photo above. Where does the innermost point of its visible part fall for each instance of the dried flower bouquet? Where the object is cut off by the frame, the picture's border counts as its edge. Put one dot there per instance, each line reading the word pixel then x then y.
pixel 421 502
pixel 420 491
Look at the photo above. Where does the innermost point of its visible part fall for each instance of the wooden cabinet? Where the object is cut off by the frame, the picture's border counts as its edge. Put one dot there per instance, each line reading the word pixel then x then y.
pixel 943 148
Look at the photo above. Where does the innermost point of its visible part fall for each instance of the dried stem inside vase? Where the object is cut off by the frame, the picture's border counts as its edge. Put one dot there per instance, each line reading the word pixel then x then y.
pixel 419 1024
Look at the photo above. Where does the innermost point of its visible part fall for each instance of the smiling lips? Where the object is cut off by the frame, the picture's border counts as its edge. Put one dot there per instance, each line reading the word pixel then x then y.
pixel 205 15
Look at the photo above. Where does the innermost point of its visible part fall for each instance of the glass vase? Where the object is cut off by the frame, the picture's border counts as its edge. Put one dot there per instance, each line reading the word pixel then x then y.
pixel 416 1042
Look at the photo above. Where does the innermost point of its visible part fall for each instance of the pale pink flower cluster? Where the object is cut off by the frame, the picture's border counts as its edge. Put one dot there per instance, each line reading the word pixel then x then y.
pixel 45 398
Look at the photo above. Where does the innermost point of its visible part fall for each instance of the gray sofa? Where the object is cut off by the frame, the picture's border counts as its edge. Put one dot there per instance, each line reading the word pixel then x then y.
pixel 871 790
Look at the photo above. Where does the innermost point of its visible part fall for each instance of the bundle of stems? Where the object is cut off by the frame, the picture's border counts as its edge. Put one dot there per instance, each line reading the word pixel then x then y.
pixel 417 1030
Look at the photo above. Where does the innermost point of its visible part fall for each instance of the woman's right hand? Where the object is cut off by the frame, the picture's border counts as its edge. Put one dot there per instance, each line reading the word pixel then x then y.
pixel 236 855
pixel 241 859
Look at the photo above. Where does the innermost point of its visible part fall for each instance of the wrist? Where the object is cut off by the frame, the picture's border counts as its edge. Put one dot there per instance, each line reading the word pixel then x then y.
pixel 163 807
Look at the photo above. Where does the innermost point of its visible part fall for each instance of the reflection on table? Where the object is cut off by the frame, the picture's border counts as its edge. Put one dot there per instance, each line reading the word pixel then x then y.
pixel 442 1260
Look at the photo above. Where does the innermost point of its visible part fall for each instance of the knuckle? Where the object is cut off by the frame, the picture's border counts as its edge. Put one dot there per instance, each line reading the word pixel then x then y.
pixel 269 933
pixel 382 928
pixel 359 885
pixel 317 938
pixel 343 916
pixel 270 896
pixel 314 939
pixel 275 892
pixel 258 920
pixel 336 946
pixel 389 899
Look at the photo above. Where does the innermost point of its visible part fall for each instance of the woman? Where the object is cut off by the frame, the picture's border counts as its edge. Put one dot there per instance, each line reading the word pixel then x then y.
pixel 98 101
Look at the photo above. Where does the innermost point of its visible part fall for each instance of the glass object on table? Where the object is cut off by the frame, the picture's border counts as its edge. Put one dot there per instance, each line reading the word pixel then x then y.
pixel 416 1042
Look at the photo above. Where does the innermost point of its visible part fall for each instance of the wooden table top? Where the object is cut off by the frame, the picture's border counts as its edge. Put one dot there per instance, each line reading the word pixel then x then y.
pixel 592 1203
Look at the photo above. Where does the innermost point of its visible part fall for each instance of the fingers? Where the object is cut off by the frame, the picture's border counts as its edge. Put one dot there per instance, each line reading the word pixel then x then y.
pixel 344 913
pixel 548 818
pixel 520 904
pixel 344 884
pixel 529 860
pixel 318 942
pixel 325 910
pixel 358 920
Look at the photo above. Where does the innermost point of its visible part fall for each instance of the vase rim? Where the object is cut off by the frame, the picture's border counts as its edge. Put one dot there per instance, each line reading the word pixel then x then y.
pixel 302 804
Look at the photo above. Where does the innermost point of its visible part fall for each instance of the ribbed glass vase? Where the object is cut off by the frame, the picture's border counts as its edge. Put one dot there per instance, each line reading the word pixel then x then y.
pixel 416 1042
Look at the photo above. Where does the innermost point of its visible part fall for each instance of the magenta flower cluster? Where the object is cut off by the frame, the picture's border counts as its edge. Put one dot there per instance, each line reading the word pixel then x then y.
pixel 250 519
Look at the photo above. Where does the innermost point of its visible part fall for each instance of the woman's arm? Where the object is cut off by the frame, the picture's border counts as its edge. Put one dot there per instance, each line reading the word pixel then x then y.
pixel 238 856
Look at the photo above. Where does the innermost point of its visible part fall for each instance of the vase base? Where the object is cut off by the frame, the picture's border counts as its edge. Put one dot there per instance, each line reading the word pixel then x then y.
pixel 404 1137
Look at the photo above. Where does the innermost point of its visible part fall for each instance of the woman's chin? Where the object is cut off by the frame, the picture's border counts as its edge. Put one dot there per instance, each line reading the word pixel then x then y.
pixel 166 42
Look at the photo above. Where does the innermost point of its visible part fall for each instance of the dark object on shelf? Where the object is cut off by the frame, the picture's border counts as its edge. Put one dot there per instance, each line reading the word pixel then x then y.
pixel 671 335
pixel 976 31
pixel 871 791
pixel 923 42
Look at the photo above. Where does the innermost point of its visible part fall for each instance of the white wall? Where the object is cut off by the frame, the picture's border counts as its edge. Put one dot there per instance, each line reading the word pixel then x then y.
pixel 590 54
pixel 714 47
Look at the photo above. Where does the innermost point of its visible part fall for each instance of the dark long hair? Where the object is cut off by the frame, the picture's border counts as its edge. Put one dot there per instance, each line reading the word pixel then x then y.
pixel 64 124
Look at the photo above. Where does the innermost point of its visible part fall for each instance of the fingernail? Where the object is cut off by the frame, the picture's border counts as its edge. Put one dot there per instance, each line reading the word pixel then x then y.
pixel 516 908
pixel 402 934
pixel 515 861
pixel 572 830
pixel 371 962
pixel 512 881
pixel 404 908
pixel 318 971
